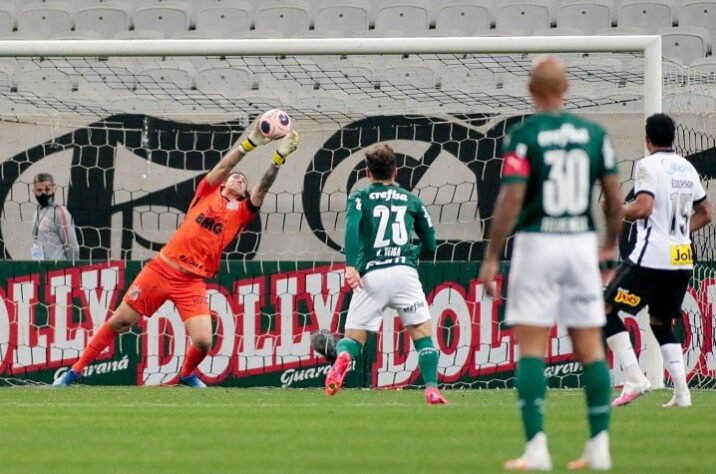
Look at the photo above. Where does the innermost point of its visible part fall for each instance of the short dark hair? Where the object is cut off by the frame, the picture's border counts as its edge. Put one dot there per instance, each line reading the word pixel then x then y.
pixel 381 161
pixel 41 177
pixel 660 130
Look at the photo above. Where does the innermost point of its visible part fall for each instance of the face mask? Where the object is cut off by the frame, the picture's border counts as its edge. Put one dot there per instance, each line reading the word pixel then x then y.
pixel 45 199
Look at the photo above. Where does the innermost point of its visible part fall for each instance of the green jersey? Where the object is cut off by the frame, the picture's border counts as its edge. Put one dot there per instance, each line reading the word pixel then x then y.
pixel 559 156
pixel 380 223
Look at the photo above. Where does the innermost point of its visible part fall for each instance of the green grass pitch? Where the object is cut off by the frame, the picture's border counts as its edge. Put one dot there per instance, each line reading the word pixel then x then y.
pixel 176 430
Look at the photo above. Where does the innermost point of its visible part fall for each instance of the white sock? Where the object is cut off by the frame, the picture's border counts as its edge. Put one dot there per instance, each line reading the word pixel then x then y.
pixel 620 344
pixel 674 364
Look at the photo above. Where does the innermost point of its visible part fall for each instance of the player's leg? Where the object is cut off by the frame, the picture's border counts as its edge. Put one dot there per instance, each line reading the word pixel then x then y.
pixel 348 349
pixel 192 302
pixel 531 389
pixel 428 357
pixel 199 330
pixel 588 348
pixel 626 292
pixel 533 298
pixel 406 295
pixel 665 308
pixel 365 313
pixel 123 318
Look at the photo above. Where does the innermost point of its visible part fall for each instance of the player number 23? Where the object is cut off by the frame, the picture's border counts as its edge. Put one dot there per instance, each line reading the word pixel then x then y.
pixel 399 234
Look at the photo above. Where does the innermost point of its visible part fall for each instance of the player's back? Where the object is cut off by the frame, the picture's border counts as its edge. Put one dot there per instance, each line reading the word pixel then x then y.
pixel 559 156
pixel 663 239
pixel 389 216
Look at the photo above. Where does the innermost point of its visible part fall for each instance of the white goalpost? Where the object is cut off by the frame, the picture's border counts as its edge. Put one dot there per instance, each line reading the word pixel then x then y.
pixel 75 98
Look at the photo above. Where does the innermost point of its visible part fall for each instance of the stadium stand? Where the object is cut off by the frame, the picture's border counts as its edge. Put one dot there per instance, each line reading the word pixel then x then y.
pixel 409 17
pixel 286 17
pixel 525 16
pixel 588 16
pixel 652 15
pixel 107 19
pixel 346 18
pixel 42 20
pixel 470 18
pixel 225 18
pixel 685 43
pixel 168 18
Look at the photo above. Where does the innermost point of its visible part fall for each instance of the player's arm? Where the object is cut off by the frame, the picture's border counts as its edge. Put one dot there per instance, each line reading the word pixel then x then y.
pixel 702 215
pixel 222 169
pixel 612 207
pixel 425 232
pixel 351 246
pixel 644 190
pixel 285 147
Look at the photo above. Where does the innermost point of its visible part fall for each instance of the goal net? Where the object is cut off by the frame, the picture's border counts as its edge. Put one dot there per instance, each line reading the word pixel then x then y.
pixel 127 137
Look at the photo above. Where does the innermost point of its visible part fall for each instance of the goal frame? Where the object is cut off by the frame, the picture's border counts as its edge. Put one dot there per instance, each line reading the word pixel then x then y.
pixel 649 45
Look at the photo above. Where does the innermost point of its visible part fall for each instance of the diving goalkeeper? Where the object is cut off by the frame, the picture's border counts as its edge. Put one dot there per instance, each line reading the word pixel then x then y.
pixel 221 208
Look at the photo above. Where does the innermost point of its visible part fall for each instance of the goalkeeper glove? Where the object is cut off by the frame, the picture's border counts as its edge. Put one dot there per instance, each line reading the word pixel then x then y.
pixel 253 139
pixel 286 146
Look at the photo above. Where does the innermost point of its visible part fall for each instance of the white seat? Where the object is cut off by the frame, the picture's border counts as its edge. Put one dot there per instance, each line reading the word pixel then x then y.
pixel 228 20
pixel 43 20
pixel 226 81
pixel 379 33
pixel 47 82
pixel 502 32
pixel 107 18
pixel 699 13
pixel 586 15
pixel 706 65
pixel 443 33
pixel 560 31
pixel 684 43
pixel 346 74
pixel 77 35
pixel 168 76
pixel 139 35
pixel 523 15
pixel 410 17
pixel 470 17
pixel 168 18
pixel 288 17
pixel 348 17
pixel 461 78
pixel 193 34
pixel 653 15
pixel 7 18
pixel 406 73
pixel 621 31
pixel 259 34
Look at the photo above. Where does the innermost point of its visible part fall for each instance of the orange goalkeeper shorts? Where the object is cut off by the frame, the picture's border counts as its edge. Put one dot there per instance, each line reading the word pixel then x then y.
pixel 158 282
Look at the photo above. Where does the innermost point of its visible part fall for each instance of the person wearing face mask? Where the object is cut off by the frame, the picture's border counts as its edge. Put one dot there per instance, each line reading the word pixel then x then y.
pixel 53 234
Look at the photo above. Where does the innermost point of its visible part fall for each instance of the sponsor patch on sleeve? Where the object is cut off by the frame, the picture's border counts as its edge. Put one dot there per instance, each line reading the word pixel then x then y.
pixel 516 164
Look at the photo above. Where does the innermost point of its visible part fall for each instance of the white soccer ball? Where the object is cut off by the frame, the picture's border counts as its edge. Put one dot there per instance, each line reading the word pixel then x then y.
pixel 274 124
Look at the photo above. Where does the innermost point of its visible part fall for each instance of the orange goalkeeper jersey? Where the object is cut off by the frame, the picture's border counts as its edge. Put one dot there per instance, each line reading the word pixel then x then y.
pixel 211 222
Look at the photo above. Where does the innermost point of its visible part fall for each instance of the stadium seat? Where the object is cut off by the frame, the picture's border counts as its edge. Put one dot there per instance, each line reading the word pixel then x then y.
pixel 621 31
pixel 193 34
pixel 443 33
pixel 139 35
pixel 287 17
pixel 259 34
pixel 461 78
pixel 347 74
pixel 168 18
pixel 347 17
pixel 684 43
pixel 319 34
pixel 226 81
pixel 47 82
pixel 380 33
pixel 7 18
pixel 227 20
pixel 107 19
pixel 406 73
pixel 470 17
pixel 167 76
pixel 706 65
pixel 561 31
pixel 43 20
pixel 523 15
pixel 652 15
pixel 699 13
pixel 586 15
pixel 410 17
pixel 77 35
pixel 502 32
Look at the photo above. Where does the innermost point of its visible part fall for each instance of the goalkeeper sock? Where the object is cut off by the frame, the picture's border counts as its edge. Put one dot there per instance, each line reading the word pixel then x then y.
pixel 351 346
pixel 427 360
pixel 531 387
pixel 598 387
pixel 99 342
pixel 192 359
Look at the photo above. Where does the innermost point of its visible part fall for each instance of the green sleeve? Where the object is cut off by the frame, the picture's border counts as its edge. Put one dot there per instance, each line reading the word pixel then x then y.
pixel 425 231
pixel 354 213
pixel 609 161
pixel 515 157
